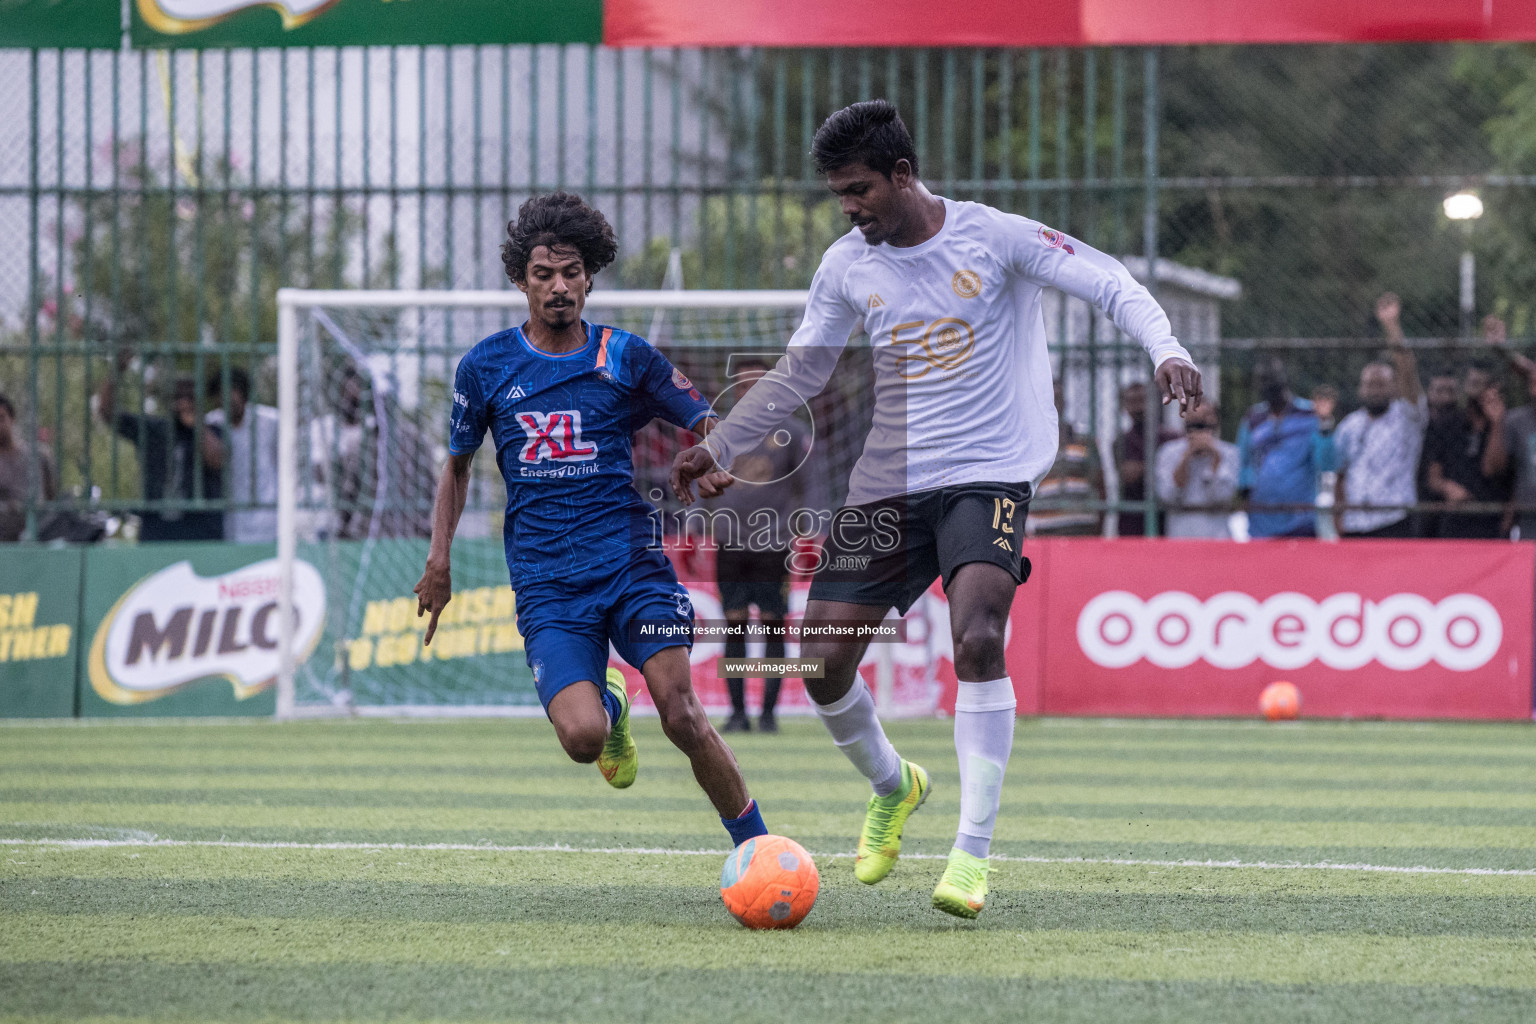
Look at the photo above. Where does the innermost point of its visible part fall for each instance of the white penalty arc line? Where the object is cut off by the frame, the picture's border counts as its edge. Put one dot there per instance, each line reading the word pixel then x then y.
pixel 660 851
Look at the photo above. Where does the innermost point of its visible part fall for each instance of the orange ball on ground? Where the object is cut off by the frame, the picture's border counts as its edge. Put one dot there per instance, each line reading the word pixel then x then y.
pixel 1280 700
pixel 769 882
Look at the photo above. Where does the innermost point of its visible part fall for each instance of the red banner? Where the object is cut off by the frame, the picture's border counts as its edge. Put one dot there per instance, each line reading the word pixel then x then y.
pixel 1365 629
pixel 912 677
pixel 1065 23
pixel 1371 629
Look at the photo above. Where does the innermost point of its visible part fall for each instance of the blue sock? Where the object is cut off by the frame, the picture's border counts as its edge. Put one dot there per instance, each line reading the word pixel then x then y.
pixel 748 826
pixel 611 705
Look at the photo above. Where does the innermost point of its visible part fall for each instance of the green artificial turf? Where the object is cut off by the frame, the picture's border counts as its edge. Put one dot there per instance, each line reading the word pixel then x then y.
pixel 149 878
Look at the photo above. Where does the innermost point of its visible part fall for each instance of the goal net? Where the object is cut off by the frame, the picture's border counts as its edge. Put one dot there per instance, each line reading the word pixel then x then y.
pixel 365 386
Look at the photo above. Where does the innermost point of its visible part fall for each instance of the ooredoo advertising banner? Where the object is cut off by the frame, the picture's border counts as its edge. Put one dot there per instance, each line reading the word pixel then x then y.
pixel 1387 629
pixel 913 675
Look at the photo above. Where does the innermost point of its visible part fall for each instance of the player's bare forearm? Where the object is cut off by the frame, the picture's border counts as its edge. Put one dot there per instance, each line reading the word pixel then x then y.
pixel 435 588
pixel 448 505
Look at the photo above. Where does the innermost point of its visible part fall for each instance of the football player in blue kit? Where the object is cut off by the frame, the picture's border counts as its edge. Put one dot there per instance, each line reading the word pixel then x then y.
pixel 562 399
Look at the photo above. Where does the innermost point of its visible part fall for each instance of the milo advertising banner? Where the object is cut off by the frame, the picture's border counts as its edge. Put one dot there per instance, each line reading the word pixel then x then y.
pixel 189 629
pixel 39 612
pixel 163 23
pixel 193 629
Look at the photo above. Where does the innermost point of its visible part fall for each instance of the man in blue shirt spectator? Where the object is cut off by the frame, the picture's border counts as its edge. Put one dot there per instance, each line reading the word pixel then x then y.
pixel 1283 446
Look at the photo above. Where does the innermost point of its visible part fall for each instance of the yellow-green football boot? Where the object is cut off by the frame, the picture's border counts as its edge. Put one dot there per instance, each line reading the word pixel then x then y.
pixel 619 760
pixel 880 842
pixel 963 889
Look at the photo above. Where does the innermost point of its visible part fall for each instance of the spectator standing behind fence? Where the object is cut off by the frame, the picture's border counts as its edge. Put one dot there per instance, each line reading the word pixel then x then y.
pixel 371 463
pixel 1196 477
pixel 251 435
pixel 1076 477
pixel 769 489
pixel 170 454
pixel 1465 458
pixel 1283 446
pixel 1519 436
pixel 18 488
pixel 1442 394
pixel 1130 451
pixel 1377 446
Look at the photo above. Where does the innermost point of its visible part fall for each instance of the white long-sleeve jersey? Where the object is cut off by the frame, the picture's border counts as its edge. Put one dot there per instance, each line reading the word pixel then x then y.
pixel 962 374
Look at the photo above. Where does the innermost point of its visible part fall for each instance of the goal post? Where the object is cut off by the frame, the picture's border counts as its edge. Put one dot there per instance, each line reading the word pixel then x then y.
pixel 364 386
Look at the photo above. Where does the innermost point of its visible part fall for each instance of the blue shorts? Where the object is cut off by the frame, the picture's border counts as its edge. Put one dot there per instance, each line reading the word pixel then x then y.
pixel 568 623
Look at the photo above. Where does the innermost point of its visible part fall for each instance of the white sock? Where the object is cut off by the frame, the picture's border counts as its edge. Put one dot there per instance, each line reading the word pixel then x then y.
pixel 984 718
pixel 856 731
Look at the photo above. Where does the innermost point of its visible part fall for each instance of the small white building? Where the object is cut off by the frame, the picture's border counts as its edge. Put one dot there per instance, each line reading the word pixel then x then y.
pixel 1192 299
pixel 1093 361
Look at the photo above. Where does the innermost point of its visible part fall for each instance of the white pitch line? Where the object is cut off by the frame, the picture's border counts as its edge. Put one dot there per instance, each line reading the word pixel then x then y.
pixel 657 851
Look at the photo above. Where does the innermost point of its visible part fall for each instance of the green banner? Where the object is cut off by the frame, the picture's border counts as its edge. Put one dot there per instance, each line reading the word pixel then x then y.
pixel 49 23
pixel 186 629
pixel 210 23
pixel 371 654
pixel 192 629
pixel 39 615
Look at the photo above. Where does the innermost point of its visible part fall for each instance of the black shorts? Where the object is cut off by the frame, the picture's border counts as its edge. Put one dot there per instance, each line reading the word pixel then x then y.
pixel 754 577
pixel 889 552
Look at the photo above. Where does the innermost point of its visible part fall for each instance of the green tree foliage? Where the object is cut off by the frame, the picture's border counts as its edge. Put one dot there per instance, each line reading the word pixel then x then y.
pixel 758 241
pixel 1316 160
pixel 186 280
pixel 1504 80
pixel 1312 174
pixel 202 265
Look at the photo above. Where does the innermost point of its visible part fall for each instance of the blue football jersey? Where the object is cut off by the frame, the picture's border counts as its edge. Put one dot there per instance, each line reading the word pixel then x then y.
pixel 563 427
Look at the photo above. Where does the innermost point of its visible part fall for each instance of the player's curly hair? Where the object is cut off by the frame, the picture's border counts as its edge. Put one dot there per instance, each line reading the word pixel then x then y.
pixel 870 133
pixel 560 220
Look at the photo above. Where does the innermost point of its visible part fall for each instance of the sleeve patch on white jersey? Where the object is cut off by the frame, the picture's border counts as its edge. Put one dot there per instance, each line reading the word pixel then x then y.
pixel 1054 239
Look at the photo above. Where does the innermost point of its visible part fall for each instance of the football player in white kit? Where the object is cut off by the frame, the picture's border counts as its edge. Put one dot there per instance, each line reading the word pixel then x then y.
pixel 964 426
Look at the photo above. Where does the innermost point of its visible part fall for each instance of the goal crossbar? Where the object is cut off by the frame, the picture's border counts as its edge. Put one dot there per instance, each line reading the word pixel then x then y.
pixel 507 299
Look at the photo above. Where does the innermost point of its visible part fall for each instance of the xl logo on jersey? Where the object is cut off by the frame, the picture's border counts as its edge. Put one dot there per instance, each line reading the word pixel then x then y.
pixel 554 436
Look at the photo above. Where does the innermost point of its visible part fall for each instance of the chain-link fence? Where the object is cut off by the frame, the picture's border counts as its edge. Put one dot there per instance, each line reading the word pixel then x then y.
pixel 151 203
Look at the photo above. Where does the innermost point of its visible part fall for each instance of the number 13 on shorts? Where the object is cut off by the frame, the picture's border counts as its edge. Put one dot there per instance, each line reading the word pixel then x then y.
pixel 1002 514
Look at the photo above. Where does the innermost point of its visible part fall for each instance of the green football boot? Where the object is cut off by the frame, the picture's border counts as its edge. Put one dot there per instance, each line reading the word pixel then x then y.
pixel 619 760
pixel 963 889
pixel 880 842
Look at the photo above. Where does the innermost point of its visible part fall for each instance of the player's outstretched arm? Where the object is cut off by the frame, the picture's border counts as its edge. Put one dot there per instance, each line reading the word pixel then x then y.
pixel 1072 266
pixel 435 588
